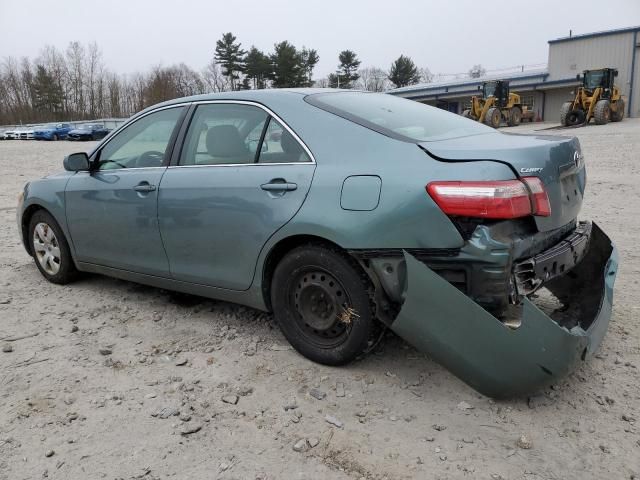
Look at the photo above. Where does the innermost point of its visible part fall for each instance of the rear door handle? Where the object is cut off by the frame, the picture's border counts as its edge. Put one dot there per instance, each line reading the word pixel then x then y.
pixel 279 186
pixel 144 187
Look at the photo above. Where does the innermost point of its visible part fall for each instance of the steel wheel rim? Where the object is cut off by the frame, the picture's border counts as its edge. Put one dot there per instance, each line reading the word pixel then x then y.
pixel 46 248
pixel 321 307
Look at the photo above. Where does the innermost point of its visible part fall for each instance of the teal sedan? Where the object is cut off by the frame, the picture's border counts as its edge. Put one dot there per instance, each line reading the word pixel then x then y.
pixel 345 214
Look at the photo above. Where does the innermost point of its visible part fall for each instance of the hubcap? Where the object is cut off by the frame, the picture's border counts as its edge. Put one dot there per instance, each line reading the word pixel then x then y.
pixel 46 248
pixel 322 306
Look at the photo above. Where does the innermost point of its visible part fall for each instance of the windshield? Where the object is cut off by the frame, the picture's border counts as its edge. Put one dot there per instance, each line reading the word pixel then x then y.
pixel 489 89
pixel 594 80
pixel 397 117
pixel 86 127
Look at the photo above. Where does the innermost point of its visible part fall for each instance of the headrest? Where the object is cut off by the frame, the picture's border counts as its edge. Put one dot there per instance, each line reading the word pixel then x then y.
pixel 225 141
pixel 289 144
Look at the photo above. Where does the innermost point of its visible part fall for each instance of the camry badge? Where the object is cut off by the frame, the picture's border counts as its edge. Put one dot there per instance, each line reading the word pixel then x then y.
pixel 530 169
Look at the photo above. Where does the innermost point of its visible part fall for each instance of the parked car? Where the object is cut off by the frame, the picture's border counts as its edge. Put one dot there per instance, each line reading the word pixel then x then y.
pixel 26 133
pixel 52 131
pixel 11 134
pixel 89 131
pixel 369 212
pixel 2 131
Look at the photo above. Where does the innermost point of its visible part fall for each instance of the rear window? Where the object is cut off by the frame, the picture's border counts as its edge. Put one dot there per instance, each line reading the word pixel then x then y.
pixel 397 117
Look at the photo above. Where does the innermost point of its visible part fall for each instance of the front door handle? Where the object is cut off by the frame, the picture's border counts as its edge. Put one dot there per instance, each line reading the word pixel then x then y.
pixel 279 185
pixel 144 187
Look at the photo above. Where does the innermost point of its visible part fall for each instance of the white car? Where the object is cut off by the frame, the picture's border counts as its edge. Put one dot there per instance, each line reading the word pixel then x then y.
pixel 27 133
pixel 12 134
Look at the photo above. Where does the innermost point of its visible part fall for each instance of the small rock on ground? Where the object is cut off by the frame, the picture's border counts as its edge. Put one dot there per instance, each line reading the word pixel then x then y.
pixel 230 399
pixel 524 442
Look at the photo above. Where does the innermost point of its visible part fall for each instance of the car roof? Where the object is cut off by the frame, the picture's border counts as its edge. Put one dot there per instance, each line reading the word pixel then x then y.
pixel 260 96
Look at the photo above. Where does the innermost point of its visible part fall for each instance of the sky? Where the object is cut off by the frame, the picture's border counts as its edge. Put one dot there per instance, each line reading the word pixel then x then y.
pixel 445 36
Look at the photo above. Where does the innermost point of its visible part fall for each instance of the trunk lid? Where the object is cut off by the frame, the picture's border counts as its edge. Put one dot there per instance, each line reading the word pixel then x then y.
pixel 557 161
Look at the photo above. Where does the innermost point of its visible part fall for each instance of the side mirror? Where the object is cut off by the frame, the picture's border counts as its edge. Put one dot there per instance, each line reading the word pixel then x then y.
pixel 479 88
pixel 76 162
pixel 615 73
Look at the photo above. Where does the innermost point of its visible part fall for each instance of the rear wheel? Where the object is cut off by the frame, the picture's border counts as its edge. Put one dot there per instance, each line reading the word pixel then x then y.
pixel 322 305
pixel 618 115
pixel 515 117
pixel 493 117
pixel 50 249
pixel 602 112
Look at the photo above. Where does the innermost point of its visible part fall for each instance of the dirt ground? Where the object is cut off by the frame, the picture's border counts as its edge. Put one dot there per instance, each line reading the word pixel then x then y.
pixel 198 389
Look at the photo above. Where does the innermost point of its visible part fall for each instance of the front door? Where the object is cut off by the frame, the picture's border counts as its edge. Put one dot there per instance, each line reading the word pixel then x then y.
pixel 112 211
pixel 242 175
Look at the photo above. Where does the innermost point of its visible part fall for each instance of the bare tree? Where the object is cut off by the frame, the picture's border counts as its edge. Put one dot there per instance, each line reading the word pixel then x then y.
pixel 373 79
pixel 213 78
pixel 477 71
pixel 425 75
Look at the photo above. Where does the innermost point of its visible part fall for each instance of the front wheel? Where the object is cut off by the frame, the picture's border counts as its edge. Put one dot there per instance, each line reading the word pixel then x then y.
pixel 493 117
pixel 602 112
pixel 321 302
pixel 50 249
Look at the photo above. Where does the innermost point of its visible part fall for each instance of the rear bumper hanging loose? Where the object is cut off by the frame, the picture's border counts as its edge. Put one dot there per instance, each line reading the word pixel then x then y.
pixel 492 356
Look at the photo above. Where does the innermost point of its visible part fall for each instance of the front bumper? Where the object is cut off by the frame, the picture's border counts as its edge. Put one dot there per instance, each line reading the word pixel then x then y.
pixel 500 360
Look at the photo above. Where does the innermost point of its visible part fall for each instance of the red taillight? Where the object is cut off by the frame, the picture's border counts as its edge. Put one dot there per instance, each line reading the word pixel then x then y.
pixel 492 199
pixel 539 197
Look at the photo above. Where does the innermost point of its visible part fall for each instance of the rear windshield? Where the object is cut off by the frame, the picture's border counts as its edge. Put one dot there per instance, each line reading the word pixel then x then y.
pixel 397 117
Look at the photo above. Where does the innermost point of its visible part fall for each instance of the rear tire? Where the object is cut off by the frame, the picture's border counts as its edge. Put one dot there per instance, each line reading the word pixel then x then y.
pixel 515 117
pixel 493 117
pixel 50 249
pixel 322 305
pixel 618 115
pixel 602 112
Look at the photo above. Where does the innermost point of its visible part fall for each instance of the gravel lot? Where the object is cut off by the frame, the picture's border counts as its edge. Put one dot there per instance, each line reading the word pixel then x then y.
pixel 239 403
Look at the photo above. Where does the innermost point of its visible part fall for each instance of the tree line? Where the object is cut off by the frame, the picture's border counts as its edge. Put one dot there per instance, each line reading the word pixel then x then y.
pixel 75 83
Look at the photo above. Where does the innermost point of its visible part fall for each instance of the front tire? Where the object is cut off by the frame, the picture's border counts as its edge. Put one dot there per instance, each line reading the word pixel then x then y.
pixel 50 249
pixel 602 112
pixel 321 302
pixel 493 117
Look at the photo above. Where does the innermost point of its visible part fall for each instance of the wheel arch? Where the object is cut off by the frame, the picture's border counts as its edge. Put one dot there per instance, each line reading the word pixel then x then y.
pixel 27 215
pixel 280 249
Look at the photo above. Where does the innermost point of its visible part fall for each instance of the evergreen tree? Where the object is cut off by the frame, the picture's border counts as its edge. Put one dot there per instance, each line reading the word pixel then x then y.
pixel 47 94
pixel 309 59
pixel 404 72
pixel 257 67
pixel 230 56
pixel 347 73
pixel 288 70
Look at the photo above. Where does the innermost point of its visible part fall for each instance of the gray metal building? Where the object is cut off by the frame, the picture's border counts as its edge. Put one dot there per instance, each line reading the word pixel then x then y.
pixel 544 91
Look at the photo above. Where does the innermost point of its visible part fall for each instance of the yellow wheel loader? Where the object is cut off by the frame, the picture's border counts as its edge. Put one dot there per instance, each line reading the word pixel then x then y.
pixel 596 98
pixel 495 105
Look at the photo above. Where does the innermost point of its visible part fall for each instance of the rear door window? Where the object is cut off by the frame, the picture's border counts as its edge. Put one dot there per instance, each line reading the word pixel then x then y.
pixel 224 134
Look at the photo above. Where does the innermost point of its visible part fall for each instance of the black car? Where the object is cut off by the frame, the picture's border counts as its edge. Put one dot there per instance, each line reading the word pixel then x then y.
pixel 89 131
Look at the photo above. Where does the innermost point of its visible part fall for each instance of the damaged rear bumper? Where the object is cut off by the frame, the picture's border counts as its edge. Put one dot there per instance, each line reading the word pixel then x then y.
pixel 499 360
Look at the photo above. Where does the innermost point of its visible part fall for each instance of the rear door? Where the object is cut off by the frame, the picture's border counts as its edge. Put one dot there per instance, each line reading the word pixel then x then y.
pixel 242 174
